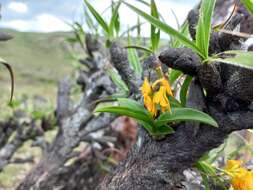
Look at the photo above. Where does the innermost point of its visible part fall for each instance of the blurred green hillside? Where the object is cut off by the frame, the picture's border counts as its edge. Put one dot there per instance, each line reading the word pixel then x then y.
pixel 39 60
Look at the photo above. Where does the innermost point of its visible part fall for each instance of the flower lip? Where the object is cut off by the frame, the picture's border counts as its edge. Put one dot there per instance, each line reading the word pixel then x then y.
pixel 154 96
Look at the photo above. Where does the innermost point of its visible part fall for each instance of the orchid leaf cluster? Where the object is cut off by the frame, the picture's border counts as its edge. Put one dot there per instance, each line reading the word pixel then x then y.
pixel 160 111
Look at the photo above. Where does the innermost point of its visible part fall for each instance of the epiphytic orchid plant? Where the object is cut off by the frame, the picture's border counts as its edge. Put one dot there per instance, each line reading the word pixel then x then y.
pixel 160 111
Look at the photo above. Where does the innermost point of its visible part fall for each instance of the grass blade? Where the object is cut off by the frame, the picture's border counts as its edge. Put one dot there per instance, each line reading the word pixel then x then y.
pixel 166 28
pixel 184 90
pixel 117 79
pixel 174 42
pixel 135 27
pixel 89 21
pixel 97 16
pixel 133 58
pixel 249 5
pixel 155 34
pixel 114 23
pixel 140 48
pixel 203 28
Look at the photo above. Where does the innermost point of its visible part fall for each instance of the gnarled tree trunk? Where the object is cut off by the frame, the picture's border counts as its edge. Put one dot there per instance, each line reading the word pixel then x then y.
pixel 159 164
pixel 155 164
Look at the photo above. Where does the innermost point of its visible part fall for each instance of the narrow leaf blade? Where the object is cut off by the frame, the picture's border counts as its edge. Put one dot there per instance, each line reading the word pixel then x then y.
pixel 97 16
pixel 133 58
pixel 166 28
pixel 184 90
pixel 117 79
pixel 236 57
pixel 203 29
pixel 155 34
pixel 249 5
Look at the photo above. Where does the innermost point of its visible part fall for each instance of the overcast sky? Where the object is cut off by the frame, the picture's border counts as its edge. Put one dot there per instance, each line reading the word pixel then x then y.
pixel 51 15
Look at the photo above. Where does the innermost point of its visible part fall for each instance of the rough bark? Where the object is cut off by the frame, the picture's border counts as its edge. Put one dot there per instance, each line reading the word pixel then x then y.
pixel 77 124
pixel 151 164
pixel 159 164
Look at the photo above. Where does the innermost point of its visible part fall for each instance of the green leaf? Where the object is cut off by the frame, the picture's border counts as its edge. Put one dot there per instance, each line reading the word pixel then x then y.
pixel 9 68
pixel 71 40
pixel 205 170
pixel 174 42
pixel 185 114
pixel 174 102
pixel 133 109
pixel 184 90
pixel 132 104
pixel 173 76
pixel 205 167
pixel 235 57
pixel 114 23
pixel 155 34
pixel 126 111
pixel 147 126
pixel 147 4
pixel 203 28
pixel 89 21
pixel 140 48
pixel 215 153
pixel 97 16
pixel 163 130
pixel 114 75
pixel 139 38
pixel 167 29
pixel 249 5
pixel 79 34
pixel 135 27
pixel 133 58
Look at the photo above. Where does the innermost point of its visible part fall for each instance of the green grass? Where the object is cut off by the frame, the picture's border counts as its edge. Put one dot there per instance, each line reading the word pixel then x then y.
pixel 39 60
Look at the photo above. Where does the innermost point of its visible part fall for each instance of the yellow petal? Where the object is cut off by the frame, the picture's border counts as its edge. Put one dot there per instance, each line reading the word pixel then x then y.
pixel 163 82
pixel 146 88
pixel 243 182
pixel 161 99
pixel 232 165
pixel 156 83
pixel 150 105
pixel 166 84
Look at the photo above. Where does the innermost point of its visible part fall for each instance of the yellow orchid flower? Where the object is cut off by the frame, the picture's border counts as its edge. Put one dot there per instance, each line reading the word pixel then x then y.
pixel 242 179
pixel 146 87
pixel 167 86
pixel 163 82
pixel 161 99
pixel 233 166
pixel 149 104
pixel 152 98
pixel 146 90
